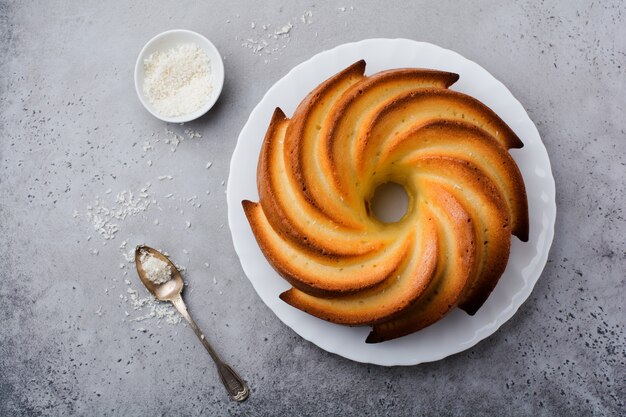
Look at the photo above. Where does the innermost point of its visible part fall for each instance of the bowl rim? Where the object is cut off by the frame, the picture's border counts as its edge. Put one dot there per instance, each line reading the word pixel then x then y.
pixel 218 83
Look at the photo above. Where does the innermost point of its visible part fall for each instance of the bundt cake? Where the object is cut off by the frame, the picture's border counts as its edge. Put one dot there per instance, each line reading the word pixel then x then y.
pixel 318 172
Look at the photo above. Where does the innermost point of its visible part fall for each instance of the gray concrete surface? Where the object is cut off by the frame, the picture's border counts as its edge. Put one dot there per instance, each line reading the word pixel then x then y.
pixel 71 128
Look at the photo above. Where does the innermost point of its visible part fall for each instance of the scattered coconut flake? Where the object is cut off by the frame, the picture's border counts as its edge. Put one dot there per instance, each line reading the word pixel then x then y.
pixel 173 139
pixel 126 204
pixel 129 256
pixel 284 30
pixel 191 134
pixel 306 17
pixel 150 308
pixel 266 44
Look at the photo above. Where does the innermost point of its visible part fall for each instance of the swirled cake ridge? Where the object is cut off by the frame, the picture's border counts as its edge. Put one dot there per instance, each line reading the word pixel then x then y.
pixel 318 172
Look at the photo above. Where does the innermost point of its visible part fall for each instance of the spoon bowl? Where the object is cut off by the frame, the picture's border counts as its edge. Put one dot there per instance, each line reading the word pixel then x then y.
pixel 166 291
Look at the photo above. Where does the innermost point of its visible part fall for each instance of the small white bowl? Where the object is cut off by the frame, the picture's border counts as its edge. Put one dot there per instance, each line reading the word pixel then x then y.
pixel 168 40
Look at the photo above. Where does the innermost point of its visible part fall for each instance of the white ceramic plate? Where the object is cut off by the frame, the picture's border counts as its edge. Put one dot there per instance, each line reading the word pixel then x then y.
pixel 457 331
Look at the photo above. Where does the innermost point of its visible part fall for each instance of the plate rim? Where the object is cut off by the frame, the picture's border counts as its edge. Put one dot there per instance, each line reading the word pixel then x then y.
pixel 502 316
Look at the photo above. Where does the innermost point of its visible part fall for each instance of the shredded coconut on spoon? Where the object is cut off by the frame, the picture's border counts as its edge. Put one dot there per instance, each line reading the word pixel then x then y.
pixel 156 270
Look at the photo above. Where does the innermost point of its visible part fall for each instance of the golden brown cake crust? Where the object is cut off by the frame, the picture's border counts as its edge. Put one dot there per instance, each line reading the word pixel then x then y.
pixel 318 171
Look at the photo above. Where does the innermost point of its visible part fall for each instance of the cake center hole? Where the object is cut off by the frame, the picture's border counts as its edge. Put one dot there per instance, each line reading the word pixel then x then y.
pixel 390 202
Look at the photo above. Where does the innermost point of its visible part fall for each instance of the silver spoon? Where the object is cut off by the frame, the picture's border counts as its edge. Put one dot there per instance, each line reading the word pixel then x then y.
pixel 172 291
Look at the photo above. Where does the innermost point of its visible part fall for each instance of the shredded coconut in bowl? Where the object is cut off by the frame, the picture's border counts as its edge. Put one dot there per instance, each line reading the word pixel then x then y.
pixel 178 81
pixel 156 270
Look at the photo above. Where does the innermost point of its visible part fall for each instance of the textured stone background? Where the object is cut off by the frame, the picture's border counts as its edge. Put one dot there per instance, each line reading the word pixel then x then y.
pixel 71 127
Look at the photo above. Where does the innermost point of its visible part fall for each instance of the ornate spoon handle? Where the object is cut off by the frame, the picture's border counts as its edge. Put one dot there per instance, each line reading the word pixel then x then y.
pixel 236 387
